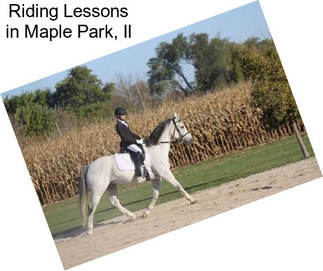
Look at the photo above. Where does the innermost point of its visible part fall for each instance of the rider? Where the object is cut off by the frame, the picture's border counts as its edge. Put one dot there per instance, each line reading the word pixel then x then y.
pixel 130 142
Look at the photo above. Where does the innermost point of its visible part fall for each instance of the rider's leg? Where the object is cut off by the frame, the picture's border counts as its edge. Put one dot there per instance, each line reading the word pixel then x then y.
pixel 137 158
pixel 134 148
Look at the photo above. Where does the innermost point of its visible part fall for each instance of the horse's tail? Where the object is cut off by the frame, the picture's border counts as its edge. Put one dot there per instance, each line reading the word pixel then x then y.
pixel 83 194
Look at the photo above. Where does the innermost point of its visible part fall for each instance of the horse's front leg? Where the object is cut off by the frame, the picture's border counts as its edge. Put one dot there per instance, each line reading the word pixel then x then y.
pixel 169 177
pixel 156 185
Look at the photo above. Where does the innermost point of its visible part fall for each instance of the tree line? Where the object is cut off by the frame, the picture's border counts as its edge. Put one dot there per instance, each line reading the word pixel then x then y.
pixel 214 62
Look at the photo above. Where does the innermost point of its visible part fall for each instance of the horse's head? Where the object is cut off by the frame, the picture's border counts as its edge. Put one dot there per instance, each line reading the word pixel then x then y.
pixel 180 132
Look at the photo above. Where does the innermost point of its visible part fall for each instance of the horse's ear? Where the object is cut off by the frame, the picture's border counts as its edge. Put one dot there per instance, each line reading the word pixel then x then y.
pixel 175 115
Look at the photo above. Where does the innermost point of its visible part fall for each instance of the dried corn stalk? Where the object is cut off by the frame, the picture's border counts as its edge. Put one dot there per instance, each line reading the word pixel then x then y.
pixel 220 123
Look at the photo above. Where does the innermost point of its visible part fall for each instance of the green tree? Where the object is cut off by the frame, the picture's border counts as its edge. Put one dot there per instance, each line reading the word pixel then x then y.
pixel 212 60
pixel 271 92
pixel 36 119
pixel 167 68
pixel 40 96
pixel 30 111
pixel 82 93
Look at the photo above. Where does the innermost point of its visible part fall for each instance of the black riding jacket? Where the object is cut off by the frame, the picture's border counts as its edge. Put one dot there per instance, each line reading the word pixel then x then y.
pixel 127 137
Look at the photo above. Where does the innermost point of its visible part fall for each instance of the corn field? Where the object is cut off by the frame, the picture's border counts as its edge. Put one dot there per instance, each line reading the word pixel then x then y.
pixel 220 123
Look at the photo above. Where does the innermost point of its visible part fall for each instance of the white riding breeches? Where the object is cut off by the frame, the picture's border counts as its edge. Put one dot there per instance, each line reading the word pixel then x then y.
pixel 134 148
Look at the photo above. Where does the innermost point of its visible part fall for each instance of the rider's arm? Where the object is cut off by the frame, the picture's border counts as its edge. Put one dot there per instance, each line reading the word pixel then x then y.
pixel 126 135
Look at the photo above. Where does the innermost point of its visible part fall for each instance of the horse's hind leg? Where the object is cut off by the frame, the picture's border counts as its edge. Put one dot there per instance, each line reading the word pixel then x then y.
pixel 95 198
pixel 113 192
pixel 155 184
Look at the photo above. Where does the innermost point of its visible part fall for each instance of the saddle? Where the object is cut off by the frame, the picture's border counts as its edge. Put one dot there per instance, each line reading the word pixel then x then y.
pixel 124 161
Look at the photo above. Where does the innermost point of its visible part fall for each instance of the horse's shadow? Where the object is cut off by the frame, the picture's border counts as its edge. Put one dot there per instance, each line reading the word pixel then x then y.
pixel 78 231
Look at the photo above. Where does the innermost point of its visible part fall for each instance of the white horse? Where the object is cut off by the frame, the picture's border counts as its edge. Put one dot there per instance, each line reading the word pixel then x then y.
pixel 103 174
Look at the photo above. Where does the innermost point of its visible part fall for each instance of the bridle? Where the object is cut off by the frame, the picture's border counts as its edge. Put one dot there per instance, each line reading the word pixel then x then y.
pixel 181 136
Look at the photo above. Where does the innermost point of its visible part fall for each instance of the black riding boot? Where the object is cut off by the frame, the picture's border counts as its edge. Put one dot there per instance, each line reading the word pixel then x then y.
pixel 138 162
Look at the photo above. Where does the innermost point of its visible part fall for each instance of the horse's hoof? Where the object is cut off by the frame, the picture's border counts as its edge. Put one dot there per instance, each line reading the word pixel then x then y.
pixel 145 214
pixel 132 217
pixel 89 232
pixel 194 201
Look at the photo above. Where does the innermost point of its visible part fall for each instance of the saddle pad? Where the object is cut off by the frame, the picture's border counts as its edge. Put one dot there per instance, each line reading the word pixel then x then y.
pixel 124 161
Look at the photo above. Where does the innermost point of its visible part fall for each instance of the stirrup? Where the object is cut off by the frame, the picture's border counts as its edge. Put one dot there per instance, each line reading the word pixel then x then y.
pixel 145 173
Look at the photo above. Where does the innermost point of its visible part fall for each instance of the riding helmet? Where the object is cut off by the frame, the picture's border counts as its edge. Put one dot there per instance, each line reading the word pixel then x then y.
pixel 120 111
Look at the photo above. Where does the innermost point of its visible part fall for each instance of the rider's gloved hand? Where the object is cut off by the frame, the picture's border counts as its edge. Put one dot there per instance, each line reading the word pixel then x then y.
pixel 140 141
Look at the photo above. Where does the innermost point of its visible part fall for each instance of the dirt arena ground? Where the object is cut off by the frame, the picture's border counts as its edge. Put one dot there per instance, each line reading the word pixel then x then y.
pixel 76 247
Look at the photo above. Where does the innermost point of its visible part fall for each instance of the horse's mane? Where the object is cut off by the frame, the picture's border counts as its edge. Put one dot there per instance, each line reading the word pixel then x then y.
pixel 156 133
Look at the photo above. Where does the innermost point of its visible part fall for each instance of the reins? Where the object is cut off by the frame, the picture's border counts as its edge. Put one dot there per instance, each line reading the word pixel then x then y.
pixel 172 142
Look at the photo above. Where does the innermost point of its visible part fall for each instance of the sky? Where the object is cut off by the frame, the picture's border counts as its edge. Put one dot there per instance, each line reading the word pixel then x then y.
pixel 237 25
